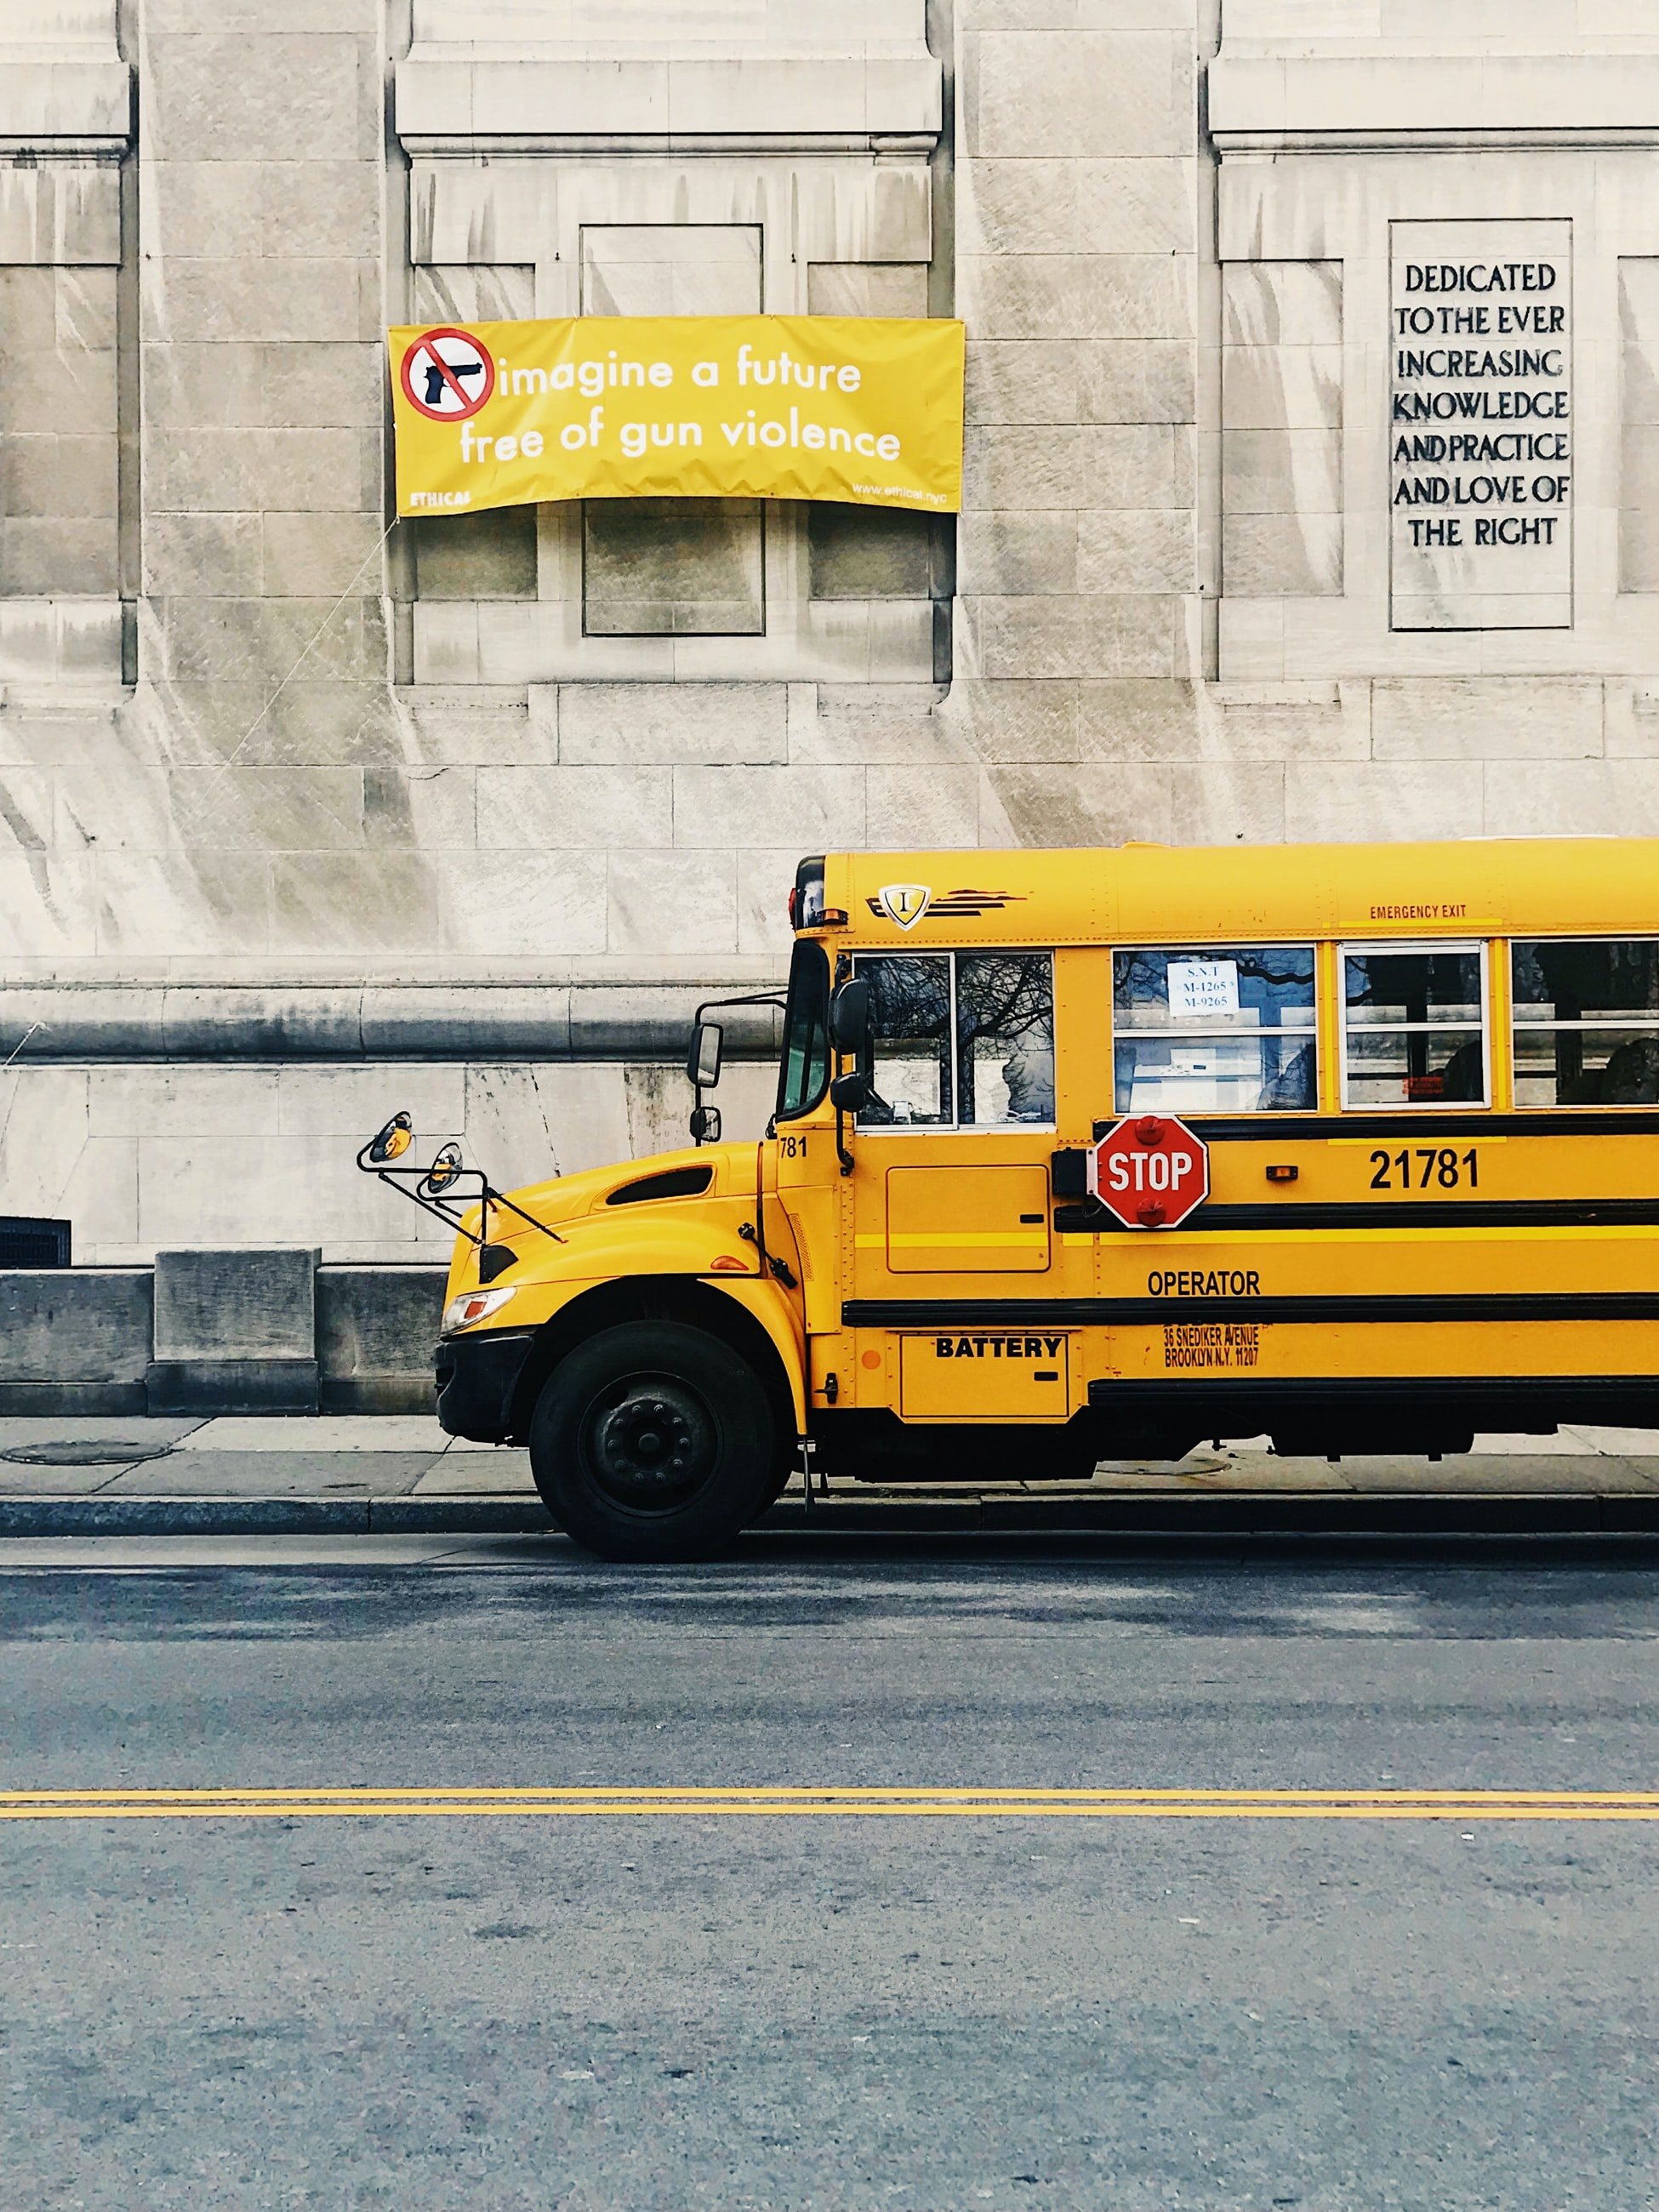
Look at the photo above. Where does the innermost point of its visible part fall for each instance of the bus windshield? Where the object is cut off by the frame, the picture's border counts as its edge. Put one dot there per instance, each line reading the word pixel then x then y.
pixel 805 1074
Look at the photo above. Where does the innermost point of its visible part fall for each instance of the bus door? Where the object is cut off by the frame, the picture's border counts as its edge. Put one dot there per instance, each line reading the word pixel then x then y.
pixel 952 1236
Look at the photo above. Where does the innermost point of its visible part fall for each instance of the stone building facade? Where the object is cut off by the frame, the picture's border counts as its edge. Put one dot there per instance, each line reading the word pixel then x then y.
pixel 1285 518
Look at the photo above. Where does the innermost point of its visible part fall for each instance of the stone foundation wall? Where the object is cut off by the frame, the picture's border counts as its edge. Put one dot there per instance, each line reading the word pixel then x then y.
pixel 239 1330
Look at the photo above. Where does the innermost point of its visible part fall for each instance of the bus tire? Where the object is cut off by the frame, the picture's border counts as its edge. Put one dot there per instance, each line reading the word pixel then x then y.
pixel 653 1441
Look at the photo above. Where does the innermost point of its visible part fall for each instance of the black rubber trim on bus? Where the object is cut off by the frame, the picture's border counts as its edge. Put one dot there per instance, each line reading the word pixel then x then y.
pixel 477 1377
pixel 1420 1123
pixel 957 1314
pixel 1505 1398
pixel 1093 1220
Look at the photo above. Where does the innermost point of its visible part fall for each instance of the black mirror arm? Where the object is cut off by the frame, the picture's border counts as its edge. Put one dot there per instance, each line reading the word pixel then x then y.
pixel 407 1182
pixel 754 999
pixel 491 1196
pixel 714 1006
pixel 406 1186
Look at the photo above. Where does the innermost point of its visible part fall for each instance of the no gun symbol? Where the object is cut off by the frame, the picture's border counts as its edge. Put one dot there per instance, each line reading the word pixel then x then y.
pixel 447 376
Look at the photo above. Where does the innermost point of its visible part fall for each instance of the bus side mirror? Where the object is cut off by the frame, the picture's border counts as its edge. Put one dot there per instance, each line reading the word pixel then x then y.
pixel 702 1061
pixel 446 1165
pixel 705 1125
pixel 851 1094
pixel 388 1144
pixel 849 1019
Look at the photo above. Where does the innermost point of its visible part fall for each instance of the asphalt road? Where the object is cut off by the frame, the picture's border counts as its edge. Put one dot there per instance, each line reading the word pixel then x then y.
pixel 948 2008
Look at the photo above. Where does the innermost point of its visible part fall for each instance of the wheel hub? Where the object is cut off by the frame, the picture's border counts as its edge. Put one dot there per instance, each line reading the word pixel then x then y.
pixel 651 1445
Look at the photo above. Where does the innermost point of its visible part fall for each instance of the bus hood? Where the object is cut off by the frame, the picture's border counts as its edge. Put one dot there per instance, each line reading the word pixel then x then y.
pixel 694 1172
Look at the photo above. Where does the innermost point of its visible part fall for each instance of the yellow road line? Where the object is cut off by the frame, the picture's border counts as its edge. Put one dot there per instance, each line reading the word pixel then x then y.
pixel 797 1801
pixel 989 1793
pixel 763 1810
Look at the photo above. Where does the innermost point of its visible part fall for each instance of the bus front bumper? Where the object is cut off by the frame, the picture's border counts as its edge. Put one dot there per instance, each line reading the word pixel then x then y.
pixel 477 1376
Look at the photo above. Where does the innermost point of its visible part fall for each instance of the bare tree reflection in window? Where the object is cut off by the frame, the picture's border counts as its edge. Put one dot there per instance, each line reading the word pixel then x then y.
pixel 1005 1037
pixel 911 1006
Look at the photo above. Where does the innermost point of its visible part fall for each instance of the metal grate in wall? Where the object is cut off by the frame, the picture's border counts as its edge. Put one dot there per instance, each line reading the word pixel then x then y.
pixel 29 1240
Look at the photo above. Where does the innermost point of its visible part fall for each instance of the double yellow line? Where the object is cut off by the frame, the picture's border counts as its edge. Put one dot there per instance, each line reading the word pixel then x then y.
pixel 794 1802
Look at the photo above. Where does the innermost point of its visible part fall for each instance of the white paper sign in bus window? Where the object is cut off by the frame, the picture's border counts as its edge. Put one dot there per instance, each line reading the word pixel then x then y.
pixel 1481 433
pixel 1200 989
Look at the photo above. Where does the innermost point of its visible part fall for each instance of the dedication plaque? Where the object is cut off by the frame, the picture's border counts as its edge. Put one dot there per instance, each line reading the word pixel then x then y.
pixel 1480 429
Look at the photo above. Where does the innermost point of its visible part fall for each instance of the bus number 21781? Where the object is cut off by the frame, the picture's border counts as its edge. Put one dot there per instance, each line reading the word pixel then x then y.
pixel 1426 1167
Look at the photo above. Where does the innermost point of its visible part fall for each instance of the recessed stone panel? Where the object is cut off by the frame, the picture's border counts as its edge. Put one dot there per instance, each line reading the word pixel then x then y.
pixel 1481 433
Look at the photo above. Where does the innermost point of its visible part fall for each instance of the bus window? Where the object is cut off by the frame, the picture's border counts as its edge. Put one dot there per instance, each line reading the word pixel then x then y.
pixel 962 1040
pixel 1228 1030
pixel 1586 1022
pixel 1414 1025
pixel 805 1073
pixel 1005 1038
pixel 910 1017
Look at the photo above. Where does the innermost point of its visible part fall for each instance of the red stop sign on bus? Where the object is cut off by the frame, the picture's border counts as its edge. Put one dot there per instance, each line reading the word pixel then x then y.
pixel 1150 1171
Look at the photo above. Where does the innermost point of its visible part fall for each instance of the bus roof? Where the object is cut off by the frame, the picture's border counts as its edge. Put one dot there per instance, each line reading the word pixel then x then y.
pixel 1192 894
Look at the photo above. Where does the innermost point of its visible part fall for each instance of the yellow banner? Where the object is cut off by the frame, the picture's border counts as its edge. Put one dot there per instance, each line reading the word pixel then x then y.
pixel 683 406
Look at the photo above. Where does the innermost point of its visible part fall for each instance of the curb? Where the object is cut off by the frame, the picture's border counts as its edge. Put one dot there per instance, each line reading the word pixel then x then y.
pixel 1242 1514
pixel 1246 1513
pixel 270 1516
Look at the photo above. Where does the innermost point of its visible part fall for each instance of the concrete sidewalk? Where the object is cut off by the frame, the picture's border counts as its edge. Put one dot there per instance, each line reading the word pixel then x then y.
pixel 61 1476
pixel 64 1476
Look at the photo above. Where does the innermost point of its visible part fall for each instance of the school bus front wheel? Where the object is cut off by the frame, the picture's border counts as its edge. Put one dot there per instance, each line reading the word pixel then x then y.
pixel 653 1440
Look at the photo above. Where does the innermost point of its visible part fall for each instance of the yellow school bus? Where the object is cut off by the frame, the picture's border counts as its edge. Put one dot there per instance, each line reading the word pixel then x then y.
pixel 1422 1081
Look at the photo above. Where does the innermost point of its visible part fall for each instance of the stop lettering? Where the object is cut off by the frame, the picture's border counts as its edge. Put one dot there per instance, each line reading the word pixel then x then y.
pixel 1150 1171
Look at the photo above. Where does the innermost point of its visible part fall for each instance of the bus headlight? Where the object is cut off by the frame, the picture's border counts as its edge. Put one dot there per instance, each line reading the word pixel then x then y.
pixel 472 1307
